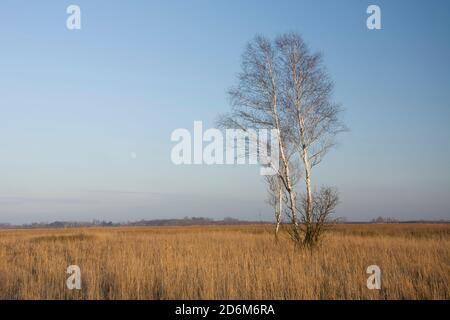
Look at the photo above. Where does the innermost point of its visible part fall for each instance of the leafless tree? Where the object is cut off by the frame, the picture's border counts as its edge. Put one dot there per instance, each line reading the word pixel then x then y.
pixel 275 199
pixel 255 104
pixel 314 122
pixel 324 202
pixel 283 86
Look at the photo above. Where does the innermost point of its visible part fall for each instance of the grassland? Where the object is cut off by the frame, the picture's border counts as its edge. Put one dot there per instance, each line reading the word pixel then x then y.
pixel 239 262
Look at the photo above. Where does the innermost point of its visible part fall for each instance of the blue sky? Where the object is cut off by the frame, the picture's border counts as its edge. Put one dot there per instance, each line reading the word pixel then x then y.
pixel 75 105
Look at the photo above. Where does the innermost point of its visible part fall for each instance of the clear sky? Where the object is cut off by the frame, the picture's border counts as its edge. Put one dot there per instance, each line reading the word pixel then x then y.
pixel 86 115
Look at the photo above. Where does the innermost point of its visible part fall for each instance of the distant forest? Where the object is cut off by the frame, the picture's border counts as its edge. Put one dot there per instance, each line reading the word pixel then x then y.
pixel 186 221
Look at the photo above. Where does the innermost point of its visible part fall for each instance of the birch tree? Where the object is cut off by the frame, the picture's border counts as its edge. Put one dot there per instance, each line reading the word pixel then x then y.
pixel 275 199
pixel 283 86
pixel 255 105
pixel 314 123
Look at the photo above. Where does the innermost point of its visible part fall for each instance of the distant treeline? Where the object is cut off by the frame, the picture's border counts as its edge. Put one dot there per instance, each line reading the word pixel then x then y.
pixel 187 221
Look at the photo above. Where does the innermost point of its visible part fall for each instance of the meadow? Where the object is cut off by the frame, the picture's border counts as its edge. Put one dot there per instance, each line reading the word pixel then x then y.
pixel 225 262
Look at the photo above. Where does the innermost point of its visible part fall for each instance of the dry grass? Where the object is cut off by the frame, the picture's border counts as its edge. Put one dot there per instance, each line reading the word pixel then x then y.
pixel 225 263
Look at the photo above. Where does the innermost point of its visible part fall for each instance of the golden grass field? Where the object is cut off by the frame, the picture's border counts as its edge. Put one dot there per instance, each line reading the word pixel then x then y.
pixel 220 262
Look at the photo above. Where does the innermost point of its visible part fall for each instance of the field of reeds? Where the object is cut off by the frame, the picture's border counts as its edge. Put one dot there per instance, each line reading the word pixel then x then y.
pixel 235 262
